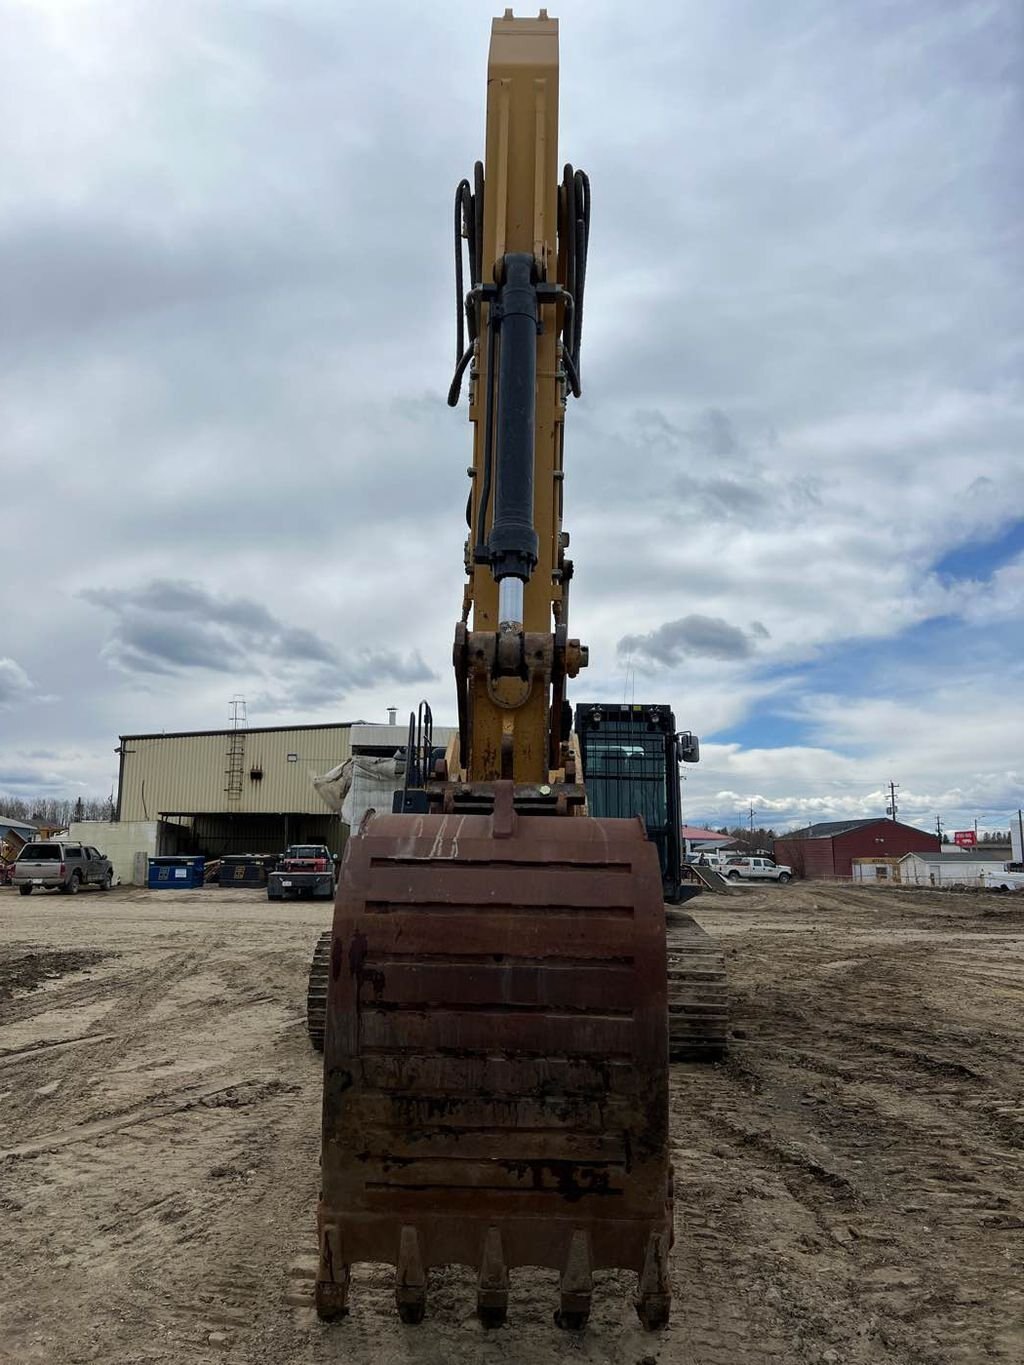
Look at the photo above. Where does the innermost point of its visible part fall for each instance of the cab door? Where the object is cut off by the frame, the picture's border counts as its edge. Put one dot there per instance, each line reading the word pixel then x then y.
pixel 91 871
pixel 76 861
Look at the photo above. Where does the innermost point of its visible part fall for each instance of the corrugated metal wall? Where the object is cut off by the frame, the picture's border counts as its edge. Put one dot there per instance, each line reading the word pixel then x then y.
pixel 887 838
pixel 819 858
pixel 807 857
pixel 188 774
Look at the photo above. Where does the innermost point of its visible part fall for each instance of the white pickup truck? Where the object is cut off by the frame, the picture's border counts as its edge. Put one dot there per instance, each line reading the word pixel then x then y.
pixel 1010 879
pixel 757 869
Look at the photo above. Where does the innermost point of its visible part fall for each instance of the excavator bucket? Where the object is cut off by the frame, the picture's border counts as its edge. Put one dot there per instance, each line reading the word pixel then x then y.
pixel 496 1070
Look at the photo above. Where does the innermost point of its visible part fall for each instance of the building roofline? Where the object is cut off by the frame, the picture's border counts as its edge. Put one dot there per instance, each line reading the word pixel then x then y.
pixel 835 829
pixel 830 828
pixel 961 859
pixel 249 730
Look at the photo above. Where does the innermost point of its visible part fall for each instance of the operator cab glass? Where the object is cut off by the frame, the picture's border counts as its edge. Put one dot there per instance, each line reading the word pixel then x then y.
pixel 631 767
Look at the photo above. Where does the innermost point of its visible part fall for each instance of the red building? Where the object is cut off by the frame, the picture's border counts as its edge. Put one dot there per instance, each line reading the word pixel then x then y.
pixel 828 850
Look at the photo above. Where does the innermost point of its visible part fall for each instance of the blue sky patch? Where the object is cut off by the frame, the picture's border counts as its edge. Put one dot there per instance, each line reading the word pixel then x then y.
pixel 908 664
pixel 765 730
pixel 979 559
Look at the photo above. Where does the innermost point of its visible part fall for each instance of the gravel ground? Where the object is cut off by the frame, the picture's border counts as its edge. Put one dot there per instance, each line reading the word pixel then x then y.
pixel 849 1184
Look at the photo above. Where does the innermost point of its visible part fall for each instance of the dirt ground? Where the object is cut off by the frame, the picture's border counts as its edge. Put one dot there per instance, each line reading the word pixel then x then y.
pixel 849 1185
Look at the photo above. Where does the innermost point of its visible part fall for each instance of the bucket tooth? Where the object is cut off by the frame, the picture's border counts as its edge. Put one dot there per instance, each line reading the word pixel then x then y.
pixel 410 1278
pixel 492 1286
pixel 577 1285
pixel 654 1298
pixel 333 1275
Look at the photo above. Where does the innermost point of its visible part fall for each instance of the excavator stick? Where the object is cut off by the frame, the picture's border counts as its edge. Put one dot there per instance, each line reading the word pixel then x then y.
pixel 495 1079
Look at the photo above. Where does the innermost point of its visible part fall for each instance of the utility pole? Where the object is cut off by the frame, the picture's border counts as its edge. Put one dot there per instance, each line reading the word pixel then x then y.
pixel 938 827
pixel 892 807
pixel 752 829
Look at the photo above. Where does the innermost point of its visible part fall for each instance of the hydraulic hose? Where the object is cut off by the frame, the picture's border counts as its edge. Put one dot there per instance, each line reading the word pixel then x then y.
pixel 461 190
pixel 582 236
pixel 567 360
pixel 574 231
pixel 468 223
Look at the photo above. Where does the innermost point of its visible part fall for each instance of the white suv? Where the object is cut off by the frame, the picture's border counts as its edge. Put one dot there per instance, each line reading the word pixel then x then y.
pixel 757 869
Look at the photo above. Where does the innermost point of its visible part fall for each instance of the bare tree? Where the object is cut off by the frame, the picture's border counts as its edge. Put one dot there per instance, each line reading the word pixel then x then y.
pixel 53 810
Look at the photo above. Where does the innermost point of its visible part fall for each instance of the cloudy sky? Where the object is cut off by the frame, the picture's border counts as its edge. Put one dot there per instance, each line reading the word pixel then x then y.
pixel 795 479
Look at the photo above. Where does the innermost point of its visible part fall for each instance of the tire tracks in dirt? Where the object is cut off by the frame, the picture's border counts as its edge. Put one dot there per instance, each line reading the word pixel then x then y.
pixel 848 1183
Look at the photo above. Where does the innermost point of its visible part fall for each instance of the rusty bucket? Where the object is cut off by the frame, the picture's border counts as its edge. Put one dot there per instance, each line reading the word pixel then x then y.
pixel 496 1070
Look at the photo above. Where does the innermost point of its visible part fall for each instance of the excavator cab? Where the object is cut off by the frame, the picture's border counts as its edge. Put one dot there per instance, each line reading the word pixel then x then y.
pixel 630 756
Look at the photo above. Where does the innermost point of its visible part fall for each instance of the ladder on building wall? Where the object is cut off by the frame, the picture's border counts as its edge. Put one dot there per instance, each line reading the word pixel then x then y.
pixel 235 770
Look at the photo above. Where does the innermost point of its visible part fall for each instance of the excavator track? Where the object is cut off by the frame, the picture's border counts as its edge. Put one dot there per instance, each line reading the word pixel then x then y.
pixel 496 1069
pixel 316 990
pixel 698 1002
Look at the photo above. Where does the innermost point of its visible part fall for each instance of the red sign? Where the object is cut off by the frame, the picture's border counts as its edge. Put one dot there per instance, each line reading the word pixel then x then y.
pixel 966 838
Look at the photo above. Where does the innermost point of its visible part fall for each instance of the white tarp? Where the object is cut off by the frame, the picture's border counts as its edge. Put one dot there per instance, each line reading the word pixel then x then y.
pixel 334 786
pixel 360 784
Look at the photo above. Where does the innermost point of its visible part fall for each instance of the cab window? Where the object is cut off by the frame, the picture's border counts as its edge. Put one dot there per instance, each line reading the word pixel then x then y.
pixel 39 853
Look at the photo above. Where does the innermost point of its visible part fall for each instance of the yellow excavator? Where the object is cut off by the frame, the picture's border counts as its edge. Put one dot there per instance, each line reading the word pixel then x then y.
pixel 495 984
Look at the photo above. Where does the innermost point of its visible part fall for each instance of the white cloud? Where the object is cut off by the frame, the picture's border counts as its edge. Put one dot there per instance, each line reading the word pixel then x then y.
pixel 224 233
pixel 15 684
pixel 953 748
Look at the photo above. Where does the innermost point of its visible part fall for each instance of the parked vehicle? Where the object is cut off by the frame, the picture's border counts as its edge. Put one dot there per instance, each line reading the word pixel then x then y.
pixel 305 870
pixel 708 858
pixel 61 864
pixel 757 869
pixel 1010 879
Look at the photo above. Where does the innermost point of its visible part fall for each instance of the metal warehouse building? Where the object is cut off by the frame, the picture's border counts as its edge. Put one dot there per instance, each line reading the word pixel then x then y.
pixel 828 850
pixel 233 791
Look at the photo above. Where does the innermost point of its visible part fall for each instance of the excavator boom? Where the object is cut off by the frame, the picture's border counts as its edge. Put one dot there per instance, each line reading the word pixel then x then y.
pixel 495 1033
